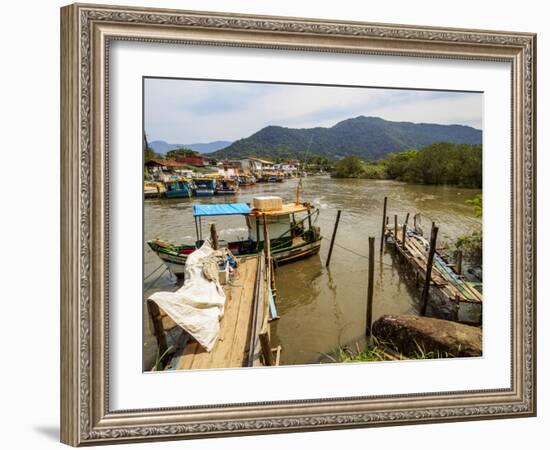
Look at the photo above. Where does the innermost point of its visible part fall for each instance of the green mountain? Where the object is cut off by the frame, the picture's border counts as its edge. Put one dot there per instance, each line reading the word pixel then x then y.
pixel 370 138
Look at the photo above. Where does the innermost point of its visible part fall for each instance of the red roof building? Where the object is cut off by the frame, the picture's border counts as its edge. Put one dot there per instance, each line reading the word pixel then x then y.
pixel 192 160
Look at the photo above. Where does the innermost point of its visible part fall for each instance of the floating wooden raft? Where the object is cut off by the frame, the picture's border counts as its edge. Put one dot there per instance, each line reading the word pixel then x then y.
pixel 443 276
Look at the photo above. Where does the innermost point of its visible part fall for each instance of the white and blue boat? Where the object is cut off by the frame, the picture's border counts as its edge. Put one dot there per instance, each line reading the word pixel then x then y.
pixel 205 187
pixel 180 187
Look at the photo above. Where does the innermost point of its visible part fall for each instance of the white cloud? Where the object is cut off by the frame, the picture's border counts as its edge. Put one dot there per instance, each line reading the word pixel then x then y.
pixel 187 111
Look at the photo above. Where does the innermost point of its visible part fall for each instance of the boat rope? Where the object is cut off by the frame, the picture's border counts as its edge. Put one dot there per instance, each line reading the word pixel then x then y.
pixel 152 285
pixel 357 254
pixel 160 265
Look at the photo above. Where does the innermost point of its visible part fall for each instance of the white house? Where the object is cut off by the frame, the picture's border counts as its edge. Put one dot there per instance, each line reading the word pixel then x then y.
pixel 256 164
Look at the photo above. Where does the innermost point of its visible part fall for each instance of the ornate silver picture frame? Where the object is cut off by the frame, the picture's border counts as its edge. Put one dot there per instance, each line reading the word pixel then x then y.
pixel 87 31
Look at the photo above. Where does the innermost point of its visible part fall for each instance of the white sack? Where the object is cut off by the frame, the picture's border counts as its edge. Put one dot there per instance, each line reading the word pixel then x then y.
pixel 198 305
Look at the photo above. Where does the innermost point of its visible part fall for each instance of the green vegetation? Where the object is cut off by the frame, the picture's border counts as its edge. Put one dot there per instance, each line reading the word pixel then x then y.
pixel 350 167
pixel 471 245
pixel 477 204
pixel 443 163
pixel 181 153
pixel 380 350
pixel 150 154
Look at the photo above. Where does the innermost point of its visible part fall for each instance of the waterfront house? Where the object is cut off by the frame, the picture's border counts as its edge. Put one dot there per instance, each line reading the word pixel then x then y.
pixel 256 164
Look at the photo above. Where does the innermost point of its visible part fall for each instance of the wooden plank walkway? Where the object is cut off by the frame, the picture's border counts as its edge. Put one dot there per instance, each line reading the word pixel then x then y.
pixel 231 349
pixel 416 253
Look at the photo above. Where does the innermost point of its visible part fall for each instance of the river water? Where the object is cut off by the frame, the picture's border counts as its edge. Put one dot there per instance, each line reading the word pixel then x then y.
pixel 321 309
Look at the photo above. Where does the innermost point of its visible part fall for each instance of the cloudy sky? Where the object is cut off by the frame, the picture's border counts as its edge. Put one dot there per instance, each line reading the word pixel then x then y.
pixel 190 111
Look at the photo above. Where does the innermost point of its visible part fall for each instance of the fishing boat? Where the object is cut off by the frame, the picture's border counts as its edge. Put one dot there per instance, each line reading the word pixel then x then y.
pixel 179 187
pixel 153 189
pixel 205 187
pixel 227 186
pixel 289 229
pixel 246 180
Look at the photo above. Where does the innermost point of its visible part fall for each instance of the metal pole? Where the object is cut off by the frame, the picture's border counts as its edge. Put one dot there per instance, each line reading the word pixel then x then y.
pixel 333 237
pixel 426 290
pixel 383 224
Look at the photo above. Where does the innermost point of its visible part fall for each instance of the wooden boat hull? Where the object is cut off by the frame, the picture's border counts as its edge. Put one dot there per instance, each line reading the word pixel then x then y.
pixel 178 193
pixel 204 192
pixel 176 262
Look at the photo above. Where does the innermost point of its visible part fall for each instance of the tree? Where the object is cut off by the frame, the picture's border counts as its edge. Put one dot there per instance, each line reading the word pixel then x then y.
pixel 148 152
pixel 349 167
pixel 182 153
pixel 477 204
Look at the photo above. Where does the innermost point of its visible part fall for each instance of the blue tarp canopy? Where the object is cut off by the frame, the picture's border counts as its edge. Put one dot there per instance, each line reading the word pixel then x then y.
pixel 225 209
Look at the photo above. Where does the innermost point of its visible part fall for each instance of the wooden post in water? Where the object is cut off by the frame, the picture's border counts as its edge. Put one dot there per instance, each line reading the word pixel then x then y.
pixel 426 290
pixel 383 224
pixel 459 262
pixel 214 236
pixel 407 219
pixel 395 228
pixel 370 287
pixel 266 348
pixel 333 237
pixel 268 261
pixel 158 330
pixel 404 235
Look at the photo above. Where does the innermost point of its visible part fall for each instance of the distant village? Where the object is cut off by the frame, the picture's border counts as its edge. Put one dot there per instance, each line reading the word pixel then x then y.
pixel 199 166
pixel 196 175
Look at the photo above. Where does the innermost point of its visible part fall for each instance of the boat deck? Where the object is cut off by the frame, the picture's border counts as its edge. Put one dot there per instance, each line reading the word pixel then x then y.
pixel 231 349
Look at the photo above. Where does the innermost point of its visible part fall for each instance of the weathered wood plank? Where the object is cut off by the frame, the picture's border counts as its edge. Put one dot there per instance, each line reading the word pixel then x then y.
pixel 243 322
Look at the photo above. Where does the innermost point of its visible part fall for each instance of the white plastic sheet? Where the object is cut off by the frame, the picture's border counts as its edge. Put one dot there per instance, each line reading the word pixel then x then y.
pixel 198 305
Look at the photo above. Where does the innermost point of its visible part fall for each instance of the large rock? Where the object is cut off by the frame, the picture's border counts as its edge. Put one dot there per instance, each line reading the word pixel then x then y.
pixel 432 335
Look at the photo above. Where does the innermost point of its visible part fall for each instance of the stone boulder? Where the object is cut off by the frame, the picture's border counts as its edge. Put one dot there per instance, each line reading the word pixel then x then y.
pixel 432 335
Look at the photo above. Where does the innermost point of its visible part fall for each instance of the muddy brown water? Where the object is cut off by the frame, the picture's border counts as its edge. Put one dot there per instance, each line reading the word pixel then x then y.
pixel 320 309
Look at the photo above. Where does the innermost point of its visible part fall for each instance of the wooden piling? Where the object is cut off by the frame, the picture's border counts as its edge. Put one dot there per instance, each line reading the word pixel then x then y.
pixel 370 288
pixel 383 225
pixel 426 290
pixel 158 330
pixel 404 235
pixel 333 237
pixel 407 219
pixel 266 348
pixel 395 228
pixel 214 236
pixel 459 262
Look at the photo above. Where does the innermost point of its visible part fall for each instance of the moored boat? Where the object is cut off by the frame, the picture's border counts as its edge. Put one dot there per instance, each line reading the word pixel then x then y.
pixel 180 187
pixel 153 189
pixel 227 186
pixel 205 187
pixel 246 180
pixel 289 227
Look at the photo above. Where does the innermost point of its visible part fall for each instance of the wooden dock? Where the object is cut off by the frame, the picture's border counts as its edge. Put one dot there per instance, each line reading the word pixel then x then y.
pixel 244 325
pixel 447 288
